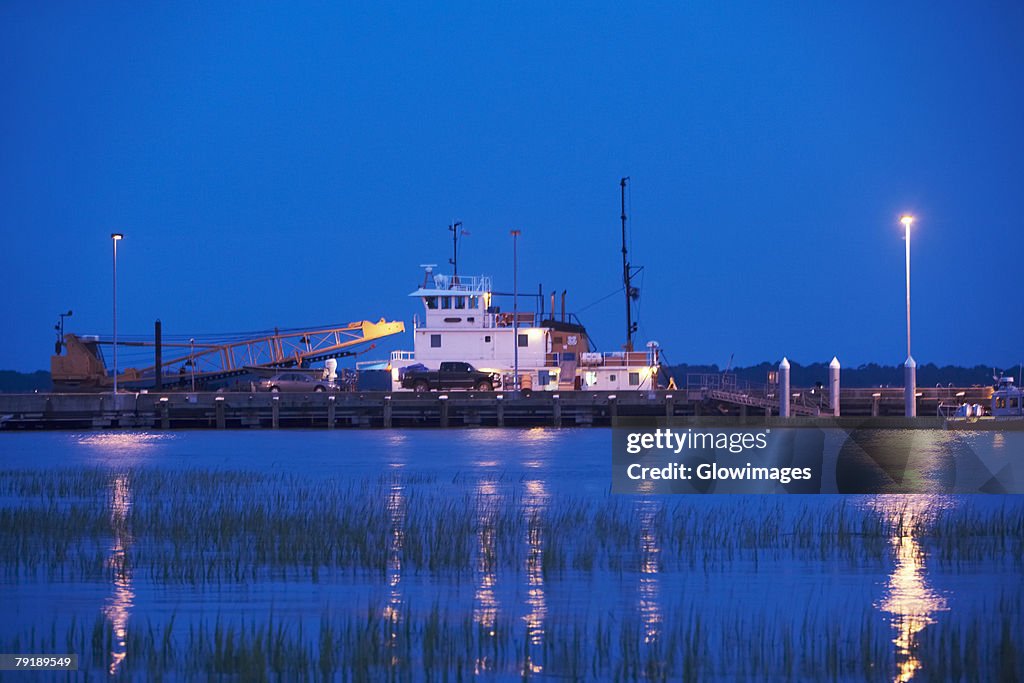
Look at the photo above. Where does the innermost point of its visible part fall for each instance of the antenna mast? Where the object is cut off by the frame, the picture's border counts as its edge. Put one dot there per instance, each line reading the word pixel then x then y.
pixel 631 292
pixel 454 260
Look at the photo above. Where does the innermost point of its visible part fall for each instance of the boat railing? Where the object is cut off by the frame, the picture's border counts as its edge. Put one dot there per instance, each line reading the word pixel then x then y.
pixel 615 359
pixel 526 319
pixel 402 355
pixel 462 283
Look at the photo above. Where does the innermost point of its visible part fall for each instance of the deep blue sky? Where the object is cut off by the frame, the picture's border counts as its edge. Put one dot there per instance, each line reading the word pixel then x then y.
pixel 292 165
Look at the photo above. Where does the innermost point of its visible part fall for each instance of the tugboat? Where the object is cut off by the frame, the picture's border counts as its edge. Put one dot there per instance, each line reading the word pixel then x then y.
pixel 462 323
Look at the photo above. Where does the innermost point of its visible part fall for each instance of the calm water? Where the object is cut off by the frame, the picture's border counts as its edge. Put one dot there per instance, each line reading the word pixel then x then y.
pixel 497 553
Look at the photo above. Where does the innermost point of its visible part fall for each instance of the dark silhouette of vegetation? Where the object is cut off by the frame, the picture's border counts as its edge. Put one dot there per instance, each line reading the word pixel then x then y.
pixel 863 376
pixel 12 381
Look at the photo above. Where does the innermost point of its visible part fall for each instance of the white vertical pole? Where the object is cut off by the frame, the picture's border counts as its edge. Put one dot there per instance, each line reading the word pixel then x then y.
pixel 515 309
pixel 910 368
pixel 833 389
pixel 115 238
pixel 910 388
pixel 784 387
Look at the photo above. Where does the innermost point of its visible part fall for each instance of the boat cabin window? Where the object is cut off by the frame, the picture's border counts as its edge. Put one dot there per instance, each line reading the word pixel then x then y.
pixel 487 339
pixel 435 341
pixel 1000 402
pixel 634 379
pixel 446 302
pixel 460 302
pixel 431 302
pixel 1013 401
pixel 524 340
pixel 474 302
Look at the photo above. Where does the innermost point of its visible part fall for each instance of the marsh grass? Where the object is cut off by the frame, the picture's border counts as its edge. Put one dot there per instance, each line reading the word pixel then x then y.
pixel 207 529
pixel 436 644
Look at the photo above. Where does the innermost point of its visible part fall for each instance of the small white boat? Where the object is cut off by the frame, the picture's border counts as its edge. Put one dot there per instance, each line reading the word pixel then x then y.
pixel 1007 404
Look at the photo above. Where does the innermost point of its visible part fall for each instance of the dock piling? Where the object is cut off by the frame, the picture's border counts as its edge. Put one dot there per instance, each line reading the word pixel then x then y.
pixel 833 384
pixel 443 398
pixel 784 389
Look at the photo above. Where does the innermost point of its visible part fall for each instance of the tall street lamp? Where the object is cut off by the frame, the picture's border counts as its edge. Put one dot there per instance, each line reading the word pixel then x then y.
pixel 115 237
pixel 910 367
pixel 192 361
pixel 515 308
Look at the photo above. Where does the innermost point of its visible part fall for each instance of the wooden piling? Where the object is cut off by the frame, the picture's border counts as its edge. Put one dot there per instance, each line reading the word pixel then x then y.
pixel 444 409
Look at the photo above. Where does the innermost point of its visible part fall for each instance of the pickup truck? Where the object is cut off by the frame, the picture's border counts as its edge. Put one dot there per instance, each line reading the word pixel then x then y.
pixel 451 375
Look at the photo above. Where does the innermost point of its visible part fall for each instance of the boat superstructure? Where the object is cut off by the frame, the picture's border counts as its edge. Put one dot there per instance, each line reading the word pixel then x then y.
pixel 462 322
pixel 1007 399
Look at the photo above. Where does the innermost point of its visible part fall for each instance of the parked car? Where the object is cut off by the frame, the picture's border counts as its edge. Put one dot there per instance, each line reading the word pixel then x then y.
pixel 294 381
pixel 451 375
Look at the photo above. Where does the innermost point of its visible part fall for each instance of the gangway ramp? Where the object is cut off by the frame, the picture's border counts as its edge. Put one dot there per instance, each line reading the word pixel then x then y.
pixel 727 388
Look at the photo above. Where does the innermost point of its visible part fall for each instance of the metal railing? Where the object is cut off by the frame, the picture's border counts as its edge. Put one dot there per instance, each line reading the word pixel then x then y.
pixel 614 358
pixel 462 283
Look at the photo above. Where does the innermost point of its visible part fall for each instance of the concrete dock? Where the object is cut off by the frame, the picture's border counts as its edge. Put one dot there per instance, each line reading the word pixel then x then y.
pixel 246 410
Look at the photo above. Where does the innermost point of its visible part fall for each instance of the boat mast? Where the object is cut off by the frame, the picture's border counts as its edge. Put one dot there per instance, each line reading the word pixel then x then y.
pixel 626 274
pixel 454 260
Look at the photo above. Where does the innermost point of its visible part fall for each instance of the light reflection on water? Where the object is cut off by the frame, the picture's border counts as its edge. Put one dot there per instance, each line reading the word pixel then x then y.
pixel 909 599
pixel 535 501
pixel 485 602
pixel 650 568
pixel 396 538
pixel 118 606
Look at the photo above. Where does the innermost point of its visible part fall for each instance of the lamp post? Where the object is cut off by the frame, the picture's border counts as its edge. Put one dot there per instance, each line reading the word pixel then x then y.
pixel 515 309
pixel 60 330
pixel 115 237
pixel 192 361
pixel 910 367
